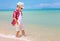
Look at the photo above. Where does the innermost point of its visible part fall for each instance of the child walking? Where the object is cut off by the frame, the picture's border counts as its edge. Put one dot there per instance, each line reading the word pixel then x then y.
pixel 17 19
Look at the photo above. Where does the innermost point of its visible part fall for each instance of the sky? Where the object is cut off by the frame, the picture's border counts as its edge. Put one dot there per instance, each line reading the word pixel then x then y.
pixel 30 4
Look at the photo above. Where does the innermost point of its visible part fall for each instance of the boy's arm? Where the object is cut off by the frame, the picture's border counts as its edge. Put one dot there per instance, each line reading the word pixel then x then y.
pixel 14 16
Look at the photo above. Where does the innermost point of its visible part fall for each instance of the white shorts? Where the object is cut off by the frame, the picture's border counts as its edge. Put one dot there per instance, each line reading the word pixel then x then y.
pixel 20 25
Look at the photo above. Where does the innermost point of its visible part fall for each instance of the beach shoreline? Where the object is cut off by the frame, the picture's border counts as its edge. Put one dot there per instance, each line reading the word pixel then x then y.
pixel 34 32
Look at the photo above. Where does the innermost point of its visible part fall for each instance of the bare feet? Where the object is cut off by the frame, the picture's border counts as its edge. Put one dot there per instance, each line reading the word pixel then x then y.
pixel 17 33
pixel 23 32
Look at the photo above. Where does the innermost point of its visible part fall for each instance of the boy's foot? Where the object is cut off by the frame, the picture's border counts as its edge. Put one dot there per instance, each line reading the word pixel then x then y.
pixel 23 33
pixel 17 34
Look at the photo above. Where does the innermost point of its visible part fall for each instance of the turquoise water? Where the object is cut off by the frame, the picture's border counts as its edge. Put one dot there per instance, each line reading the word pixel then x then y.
pixel 35 17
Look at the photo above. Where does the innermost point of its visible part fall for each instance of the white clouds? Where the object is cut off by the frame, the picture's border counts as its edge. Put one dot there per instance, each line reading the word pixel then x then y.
pixel 51 5
pixel 56 4
pixel 44 5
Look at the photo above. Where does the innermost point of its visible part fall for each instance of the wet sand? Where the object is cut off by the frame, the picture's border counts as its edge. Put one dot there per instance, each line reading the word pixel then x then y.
pixel 34 32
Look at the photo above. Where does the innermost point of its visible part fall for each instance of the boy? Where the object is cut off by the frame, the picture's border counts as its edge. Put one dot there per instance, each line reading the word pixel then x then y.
pixel 17 19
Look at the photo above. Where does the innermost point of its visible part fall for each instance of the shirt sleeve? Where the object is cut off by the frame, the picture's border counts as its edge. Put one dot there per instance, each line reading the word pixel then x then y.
pixel 14 14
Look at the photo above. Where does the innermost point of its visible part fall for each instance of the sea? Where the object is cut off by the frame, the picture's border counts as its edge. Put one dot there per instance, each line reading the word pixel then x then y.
pixel 35 16
pixel 44 22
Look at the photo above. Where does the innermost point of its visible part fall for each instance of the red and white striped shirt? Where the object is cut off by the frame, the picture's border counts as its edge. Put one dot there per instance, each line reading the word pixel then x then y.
pixel 16 14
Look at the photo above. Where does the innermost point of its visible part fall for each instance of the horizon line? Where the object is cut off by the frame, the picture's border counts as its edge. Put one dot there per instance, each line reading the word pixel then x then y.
pixel 31 9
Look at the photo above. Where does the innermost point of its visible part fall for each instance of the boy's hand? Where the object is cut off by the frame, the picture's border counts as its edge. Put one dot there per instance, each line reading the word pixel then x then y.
pixel 14 19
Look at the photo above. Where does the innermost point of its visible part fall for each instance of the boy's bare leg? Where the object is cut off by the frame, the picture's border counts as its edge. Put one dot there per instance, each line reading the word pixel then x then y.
pixel 23 32
pixel 22 29
pixel 17 33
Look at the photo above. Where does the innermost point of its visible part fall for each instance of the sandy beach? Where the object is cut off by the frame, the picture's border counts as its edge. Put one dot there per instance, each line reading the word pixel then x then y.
pixel 33 32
